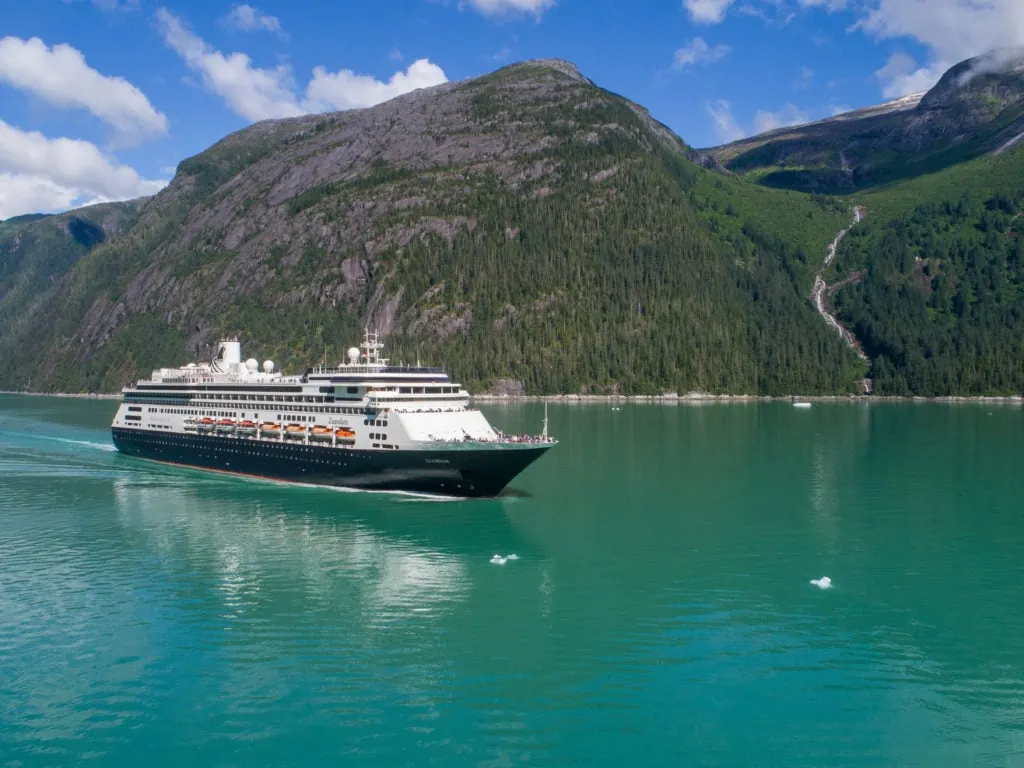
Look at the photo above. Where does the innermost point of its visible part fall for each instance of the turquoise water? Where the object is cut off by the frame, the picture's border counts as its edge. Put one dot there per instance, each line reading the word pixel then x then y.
pixel 660 612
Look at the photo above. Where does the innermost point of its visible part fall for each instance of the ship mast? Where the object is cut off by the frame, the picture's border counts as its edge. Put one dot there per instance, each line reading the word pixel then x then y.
pixel 372 347
pixel 544 434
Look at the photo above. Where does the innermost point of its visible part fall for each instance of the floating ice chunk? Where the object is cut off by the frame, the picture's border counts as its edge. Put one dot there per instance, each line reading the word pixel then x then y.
pixel 823 583
pixel 498 560
pixel 513 557
pixel 801 405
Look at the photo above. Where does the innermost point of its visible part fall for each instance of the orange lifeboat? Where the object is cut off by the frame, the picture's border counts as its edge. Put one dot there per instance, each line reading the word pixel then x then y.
pixel 247 427
pixel 321 434
pixel 225 426
pixel 346 436
pixel 294 431
pixel 205 424
pixel 270 429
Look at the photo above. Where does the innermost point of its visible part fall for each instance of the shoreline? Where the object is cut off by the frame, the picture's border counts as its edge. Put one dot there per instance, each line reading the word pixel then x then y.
pixel 699 398
pixel 695 398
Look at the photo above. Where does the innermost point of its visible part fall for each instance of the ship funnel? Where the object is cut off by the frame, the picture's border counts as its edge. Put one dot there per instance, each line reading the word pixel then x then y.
pixel 232 351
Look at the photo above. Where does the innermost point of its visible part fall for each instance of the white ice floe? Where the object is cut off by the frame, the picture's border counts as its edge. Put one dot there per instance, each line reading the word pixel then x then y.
pixel 801 405
pixel 823 583
pixel 499 560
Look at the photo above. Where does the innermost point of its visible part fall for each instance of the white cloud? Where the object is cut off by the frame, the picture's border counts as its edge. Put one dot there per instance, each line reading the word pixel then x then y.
pixel 699 52
pixel 509 7
pixel 726 127
pixel 347 90
pixel 838 109
pixel 950 30
pixel 764 120
pixel 61 76
pixel 502 55
pixel 116 5
pixel 245 18
pixel 901 76
pixel 38 173
pixel 20 194
pixel 260 94
pixel 806 78
pixel 707 11
pixel 831 5
pixel 396 56
pixel 253 93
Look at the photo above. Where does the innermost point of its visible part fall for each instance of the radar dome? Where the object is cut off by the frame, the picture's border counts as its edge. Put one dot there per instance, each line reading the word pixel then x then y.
pixel 268 366
pixel 252 365
pixel 353 355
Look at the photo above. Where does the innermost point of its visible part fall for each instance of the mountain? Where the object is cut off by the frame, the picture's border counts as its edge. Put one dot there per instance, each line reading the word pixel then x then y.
pixel 36 250
pixel 524 225
pixel 976 108
pixel 932 282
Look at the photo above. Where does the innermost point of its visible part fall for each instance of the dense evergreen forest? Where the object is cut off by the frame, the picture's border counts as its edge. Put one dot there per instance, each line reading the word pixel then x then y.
pixel 939 307
pixel 526 225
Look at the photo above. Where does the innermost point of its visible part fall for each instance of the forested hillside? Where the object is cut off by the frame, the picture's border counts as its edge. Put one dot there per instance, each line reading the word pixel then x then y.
pixel 36 251
pixel 937 295
pixel 524 225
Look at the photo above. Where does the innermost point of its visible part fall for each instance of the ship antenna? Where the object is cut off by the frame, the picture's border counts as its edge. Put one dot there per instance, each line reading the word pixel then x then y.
pixel 545 433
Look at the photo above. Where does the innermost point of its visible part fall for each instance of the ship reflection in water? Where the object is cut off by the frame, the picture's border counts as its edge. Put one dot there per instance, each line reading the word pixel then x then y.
pixel 270 549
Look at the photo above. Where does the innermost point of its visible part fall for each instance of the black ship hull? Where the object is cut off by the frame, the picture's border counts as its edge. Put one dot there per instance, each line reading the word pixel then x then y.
pixel 463 470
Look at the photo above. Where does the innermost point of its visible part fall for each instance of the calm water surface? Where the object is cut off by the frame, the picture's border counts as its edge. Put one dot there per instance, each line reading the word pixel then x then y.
pixel 659 614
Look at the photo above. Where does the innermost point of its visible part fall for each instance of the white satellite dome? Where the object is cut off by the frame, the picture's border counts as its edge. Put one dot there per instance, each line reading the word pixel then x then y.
pixel 252 365
pixel 353 354
pixel 268 366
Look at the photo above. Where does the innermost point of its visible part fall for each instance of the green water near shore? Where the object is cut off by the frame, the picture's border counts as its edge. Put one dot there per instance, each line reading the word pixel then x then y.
pixel 660 611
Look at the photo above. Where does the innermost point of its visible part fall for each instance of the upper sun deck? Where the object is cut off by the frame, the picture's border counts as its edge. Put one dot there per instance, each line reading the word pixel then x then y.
pixel 364 366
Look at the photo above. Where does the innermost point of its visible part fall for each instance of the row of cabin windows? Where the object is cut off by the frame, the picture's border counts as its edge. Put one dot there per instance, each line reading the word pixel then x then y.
pixel 238 398
pixel 225 414
pixel 235 398
pixel 190 412
pixel 375 422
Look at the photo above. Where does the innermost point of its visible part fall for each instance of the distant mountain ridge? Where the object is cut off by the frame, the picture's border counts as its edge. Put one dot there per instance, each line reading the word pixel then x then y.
pixel 977 107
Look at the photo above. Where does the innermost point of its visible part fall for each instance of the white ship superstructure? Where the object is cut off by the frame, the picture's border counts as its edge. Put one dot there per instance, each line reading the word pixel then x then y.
pixel 363 423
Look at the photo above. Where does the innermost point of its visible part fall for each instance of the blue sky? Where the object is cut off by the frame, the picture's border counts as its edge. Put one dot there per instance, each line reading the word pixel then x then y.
pixel 100 99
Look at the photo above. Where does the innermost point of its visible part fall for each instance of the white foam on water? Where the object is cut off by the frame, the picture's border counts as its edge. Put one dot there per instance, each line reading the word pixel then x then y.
pixel 823 583
pixel 108 447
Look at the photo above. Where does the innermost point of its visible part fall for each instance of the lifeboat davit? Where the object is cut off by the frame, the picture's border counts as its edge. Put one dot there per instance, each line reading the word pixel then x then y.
pixel 225 425
pixel 295 431
pixel 270 429
pixel 321 434
pixel 247 427
pixel 205 424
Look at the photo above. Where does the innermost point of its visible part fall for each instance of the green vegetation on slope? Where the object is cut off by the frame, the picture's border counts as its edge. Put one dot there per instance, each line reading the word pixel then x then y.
pixel 940 306
pixel 525 225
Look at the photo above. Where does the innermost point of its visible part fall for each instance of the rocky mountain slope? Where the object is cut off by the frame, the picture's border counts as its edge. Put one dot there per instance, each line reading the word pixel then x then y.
pixel 525 225
pixel 35 250
pixel 976 108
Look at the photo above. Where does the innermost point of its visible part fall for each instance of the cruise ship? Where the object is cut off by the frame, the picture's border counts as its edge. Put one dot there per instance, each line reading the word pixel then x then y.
pixel 364 424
